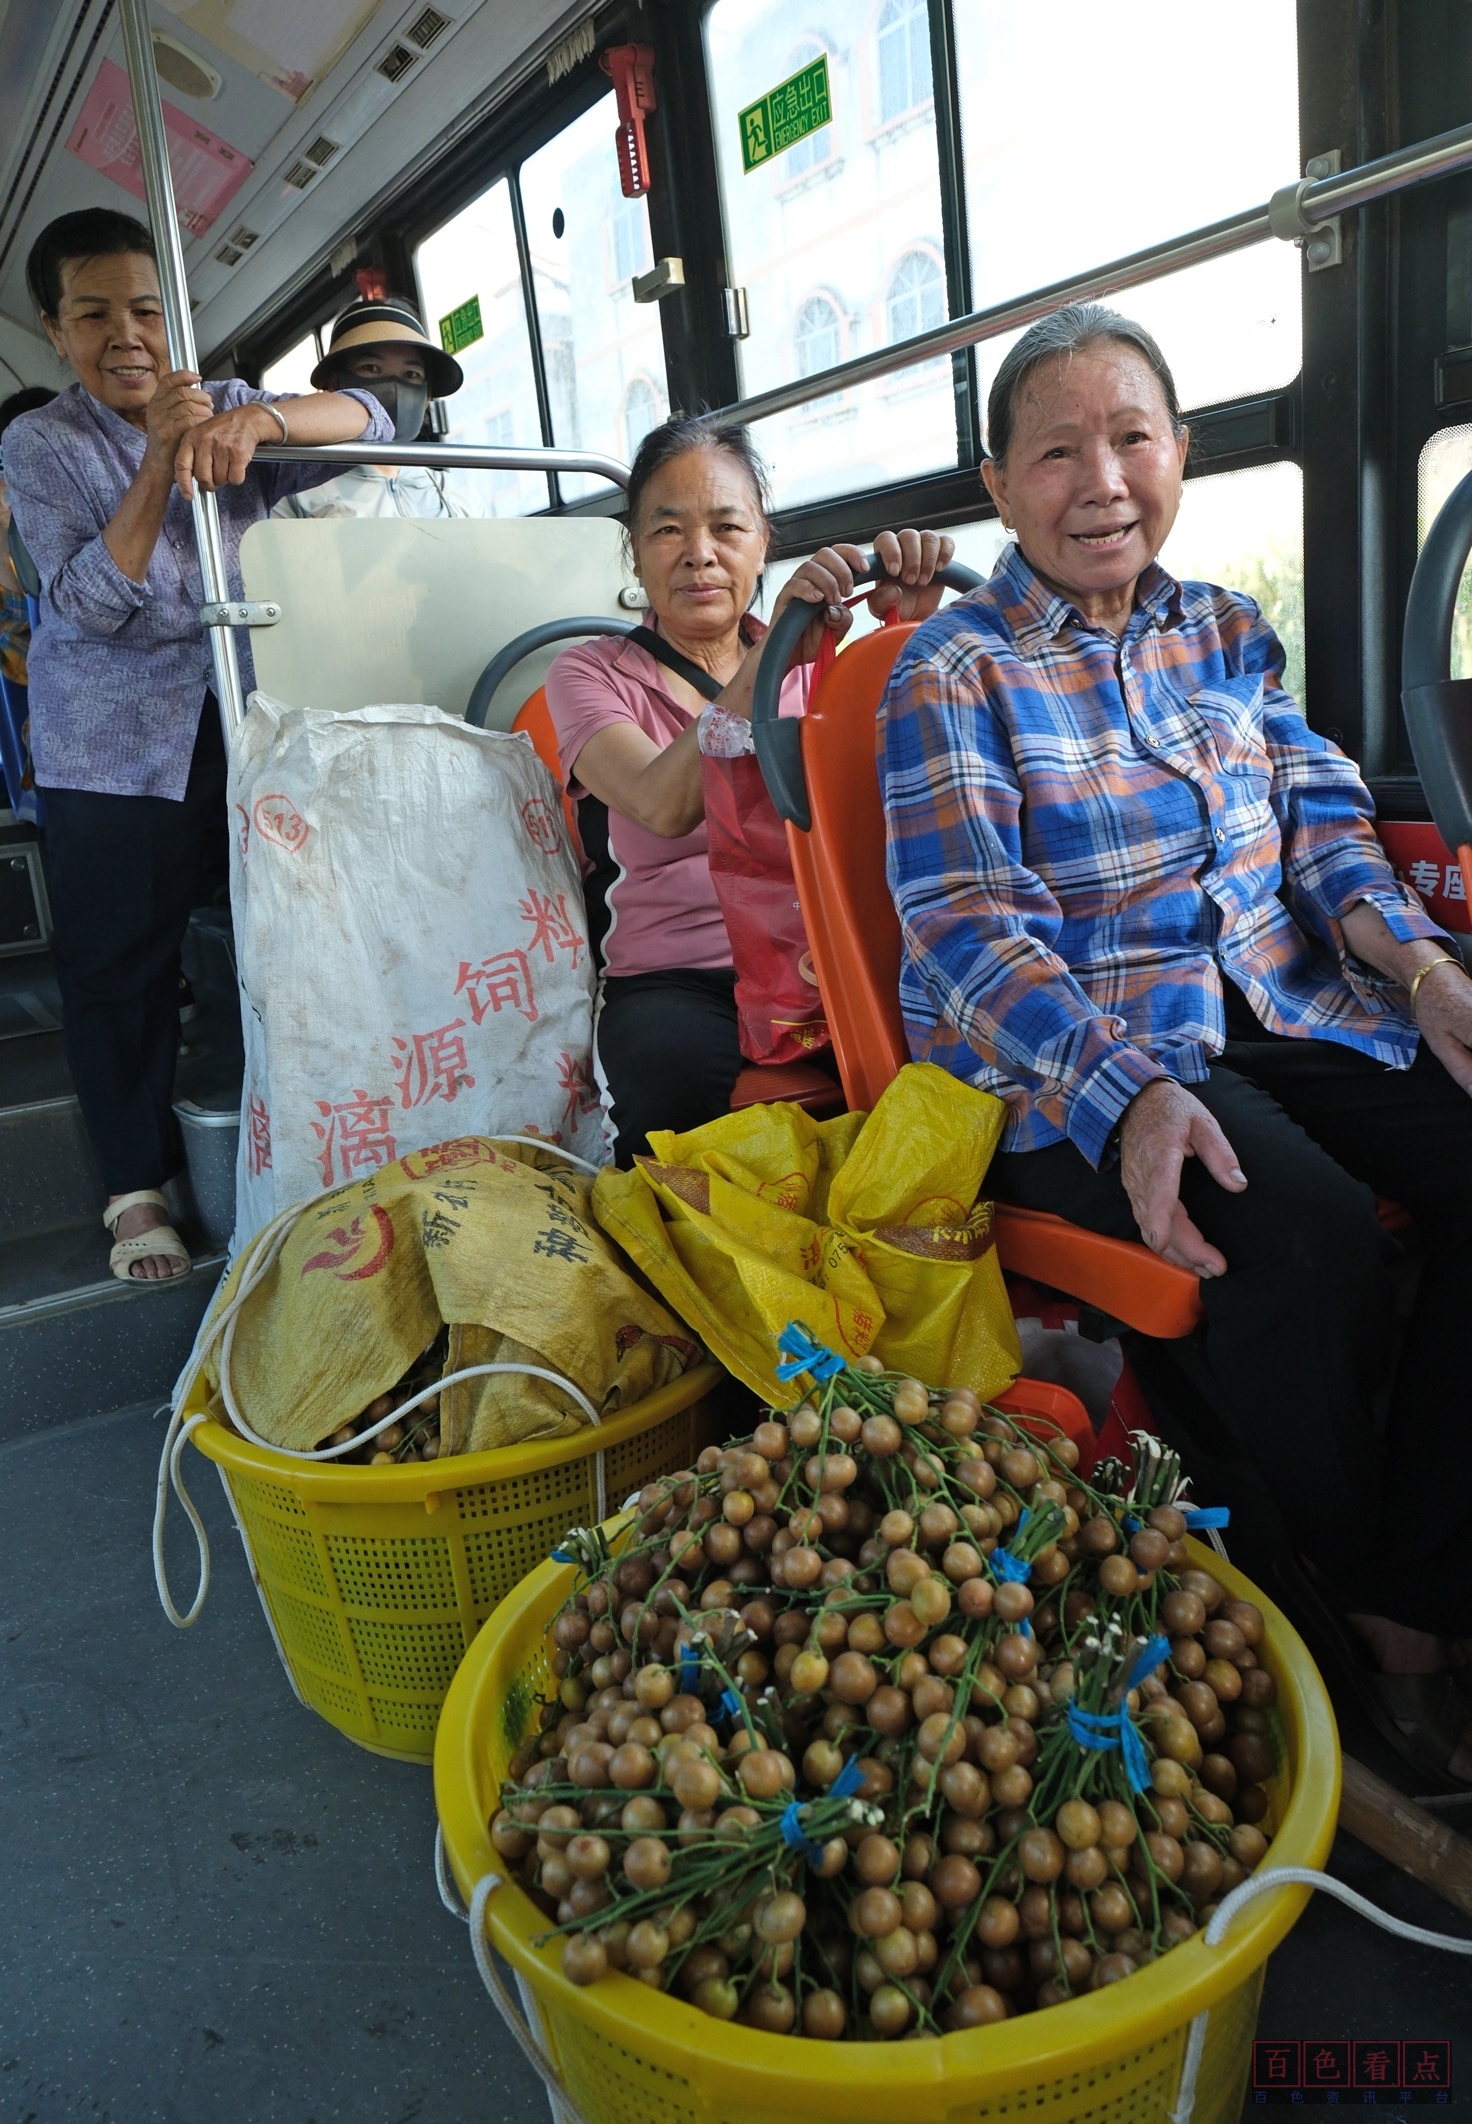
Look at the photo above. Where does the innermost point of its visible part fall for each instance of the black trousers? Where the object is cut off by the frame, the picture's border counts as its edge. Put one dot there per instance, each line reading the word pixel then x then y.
pixel 668 1050
pixel 1359 1425
pixel 123 873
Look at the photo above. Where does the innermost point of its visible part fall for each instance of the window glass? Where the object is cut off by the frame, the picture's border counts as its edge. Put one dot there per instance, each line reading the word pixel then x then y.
pixel 641 413
pixel 586 242
pixel 838 237
pixel 473 259
pixel 1446 459
pixel 1047 195
pixel 293 372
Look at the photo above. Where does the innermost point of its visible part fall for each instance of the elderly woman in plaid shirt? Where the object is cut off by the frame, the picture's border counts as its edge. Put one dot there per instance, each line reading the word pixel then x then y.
pixel 1144 903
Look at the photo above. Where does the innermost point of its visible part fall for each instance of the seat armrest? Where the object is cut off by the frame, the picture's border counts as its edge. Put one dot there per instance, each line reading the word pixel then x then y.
pixel 1117 1276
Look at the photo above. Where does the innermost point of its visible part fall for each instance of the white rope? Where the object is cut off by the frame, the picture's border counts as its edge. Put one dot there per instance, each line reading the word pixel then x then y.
pixel 1261 1884
pixel 490 1976
pixel 449 1893
pixel 175 1440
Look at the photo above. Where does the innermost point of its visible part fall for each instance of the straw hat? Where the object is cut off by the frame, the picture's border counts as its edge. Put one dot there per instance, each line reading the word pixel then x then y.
pixel 376 324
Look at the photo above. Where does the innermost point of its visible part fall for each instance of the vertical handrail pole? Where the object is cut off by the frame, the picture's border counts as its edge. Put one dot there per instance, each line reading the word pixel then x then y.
pixel 159 183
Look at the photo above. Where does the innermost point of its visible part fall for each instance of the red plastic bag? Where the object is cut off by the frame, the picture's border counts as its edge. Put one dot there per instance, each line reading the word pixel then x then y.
pixel 780 1013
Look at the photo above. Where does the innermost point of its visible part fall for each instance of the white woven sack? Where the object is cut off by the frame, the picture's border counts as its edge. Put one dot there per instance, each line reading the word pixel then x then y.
pixel 412 947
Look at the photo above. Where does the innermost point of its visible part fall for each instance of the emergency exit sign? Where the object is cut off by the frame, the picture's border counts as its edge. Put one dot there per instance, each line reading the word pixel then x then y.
pixel 462 328
pixel 786 114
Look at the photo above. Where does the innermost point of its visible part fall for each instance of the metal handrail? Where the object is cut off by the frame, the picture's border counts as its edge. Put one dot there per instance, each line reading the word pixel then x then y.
pixel 445 457
pixel 1291 213
pixel 179 330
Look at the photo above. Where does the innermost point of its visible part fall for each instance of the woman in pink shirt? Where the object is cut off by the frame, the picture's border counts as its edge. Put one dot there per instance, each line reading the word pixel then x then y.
pixel 629 730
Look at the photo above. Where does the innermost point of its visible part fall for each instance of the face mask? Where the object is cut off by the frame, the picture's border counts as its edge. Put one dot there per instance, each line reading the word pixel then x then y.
pixel 403 402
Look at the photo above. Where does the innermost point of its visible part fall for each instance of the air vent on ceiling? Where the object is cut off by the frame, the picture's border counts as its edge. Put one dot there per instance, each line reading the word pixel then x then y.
pixel 243 238
pixel 426 26
pixel 300 175
pixel 322 150
pixel 228 255
pixel 396 63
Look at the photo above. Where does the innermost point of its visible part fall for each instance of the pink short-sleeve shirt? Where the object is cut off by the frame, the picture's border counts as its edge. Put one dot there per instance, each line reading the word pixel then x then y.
pixel 663 906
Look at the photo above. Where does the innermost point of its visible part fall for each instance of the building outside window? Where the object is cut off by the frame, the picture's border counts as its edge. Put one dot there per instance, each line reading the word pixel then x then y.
pixel 904 58
pixel 815 336
pixel 916 297
pixel 641 413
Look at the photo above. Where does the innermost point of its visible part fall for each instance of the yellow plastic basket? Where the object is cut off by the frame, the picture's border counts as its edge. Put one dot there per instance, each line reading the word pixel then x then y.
pixel 628 2055
pixel 375 1580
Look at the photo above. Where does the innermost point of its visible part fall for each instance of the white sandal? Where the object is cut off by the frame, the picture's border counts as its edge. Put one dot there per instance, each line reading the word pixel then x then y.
pixel 162 1239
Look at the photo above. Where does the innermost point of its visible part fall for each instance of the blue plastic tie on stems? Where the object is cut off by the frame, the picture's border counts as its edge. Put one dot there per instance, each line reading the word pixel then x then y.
pixel 1131 1524
pixel 1199 1519
pixel 689 1670
pixel 804 1354
pixel 848 1780
pixel 730 1703
pixel 1116 1729
pixel 1014 1570
pixel 561 1556
pixel 796 1837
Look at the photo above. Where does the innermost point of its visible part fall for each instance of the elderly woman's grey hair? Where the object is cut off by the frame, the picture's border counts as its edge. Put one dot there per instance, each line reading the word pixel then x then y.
pixel 1064 333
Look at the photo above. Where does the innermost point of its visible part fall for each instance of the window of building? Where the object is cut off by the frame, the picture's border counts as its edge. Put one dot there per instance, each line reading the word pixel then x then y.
pixel 786 241
pixel 904 58
pixel 814 148
pixel 595 338
pixel 1043 201
pixel 470 282
pixel 293 370
pixel 628 226
pixel 1445 462
pixel 916 297
pixel 641 413
pixel 815 336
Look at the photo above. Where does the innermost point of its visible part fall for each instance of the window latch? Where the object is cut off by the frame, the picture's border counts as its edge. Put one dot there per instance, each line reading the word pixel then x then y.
pixel 662 280
pixel 738 320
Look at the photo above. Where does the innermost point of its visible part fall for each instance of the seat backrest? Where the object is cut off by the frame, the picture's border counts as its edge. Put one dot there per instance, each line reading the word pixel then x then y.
pixel 534 720
pixel 853 929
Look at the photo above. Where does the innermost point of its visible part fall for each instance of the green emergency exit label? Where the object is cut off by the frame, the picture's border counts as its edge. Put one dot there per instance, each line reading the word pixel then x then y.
pixel 462 328
pixel 786 114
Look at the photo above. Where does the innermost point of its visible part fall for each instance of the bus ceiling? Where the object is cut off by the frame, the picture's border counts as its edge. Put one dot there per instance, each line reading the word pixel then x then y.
pixel 283 124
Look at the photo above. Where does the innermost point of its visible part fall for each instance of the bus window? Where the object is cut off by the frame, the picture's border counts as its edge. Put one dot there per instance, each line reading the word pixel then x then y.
pixel 837 239
pixel 1447 459
pixel 470 282
pixel 1091 130
pixel 1245 530
pixel 293 372
pixel 603 352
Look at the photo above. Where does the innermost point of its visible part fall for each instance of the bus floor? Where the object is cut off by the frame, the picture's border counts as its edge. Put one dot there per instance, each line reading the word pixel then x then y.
pixel 219 1910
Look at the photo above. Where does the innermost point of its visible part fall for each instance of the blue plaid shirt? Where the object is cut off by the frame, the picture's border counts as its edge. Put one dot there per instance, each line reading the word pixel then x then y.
pixel 1085 834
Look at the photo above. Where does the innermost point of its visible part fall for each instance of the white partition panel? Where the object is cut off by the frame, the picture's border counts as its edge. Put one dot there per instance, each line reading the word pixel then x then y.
pixel 405 611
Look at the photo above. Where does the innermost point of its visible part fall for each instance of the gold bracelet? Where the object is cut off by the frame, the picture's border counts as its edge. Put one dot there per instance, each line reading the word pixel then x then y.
pixel 1445 960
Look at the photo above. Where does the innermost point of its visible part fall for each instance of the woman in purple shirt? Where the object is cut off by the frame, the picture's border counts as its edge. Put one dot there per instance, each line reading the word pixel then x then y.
pixel 124 729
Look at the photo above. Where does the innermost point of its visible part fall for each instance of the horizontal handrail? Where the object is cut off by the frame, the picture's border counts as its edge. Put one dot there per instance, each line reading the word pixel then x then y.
pixel 1315 203
pixel 446 457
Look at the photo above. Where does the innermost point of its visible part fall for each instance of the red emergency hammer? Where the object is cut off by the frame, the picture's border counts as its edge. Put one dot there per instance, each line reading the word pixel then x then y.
pixel 632 68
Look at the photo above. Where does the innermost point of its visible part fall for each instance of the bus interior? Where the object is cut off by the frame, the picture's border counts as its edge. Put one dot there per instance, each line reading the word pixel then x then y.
pixel 216 1908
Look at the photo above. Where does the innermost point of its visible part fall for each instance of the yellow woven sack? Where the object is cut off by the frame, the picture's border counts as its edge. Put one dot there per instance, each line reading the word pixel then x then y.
pixel 498 1241
pixel 869 1229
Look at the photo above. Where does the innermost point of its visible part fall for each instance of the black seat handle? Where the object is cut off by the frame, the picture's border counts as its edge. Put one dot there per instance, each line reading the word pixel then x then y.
pixel 560 630
pixel 1438 708
pixel 778 737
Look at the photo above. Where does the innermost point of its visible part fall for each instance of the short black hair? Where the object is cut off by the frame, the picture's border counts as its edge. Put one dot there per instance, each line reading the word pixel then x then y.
pixel 27 401
pixel 95 232
pixel 694 431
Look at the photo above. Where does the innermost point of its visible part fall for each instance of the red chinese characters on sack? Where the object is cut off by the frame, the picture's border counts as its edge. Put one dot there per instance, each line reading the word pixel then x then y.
pixel 498 983
pixel 359 1250
pixel 552 926
pixel 432 1065
pixel 356 1137
pixel 454 1156
pixel 540 822
pixel 258 1137
pixel 277 819
pixel 576 1079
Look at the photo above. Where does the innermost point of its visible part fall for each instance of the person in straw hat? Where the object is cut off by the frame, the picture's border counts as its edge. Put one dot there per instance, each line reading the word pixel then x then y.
pixel 381 346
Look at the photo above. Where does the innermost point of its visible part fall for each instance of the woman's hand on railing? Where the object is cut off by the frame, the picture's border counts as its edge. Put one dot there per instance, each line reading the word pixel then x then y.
pixel 829 578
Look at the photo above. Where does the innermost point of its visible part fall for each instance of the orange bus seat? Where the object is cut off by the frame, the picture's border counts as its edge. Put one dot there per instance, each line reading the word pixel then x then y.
pixel 799 1082
pixel 854 934
pixel 533 719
